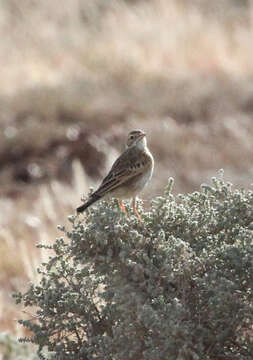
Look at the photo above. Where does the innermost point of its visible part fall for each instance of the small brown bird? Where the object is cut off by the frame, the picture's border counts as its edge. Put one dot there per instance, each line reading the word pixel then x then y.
pixel 128 175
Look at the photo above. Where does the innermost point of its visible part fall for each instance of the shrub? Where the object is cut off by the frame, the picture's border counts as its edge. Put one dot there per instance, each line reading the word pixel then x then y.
pixel 11 349
pixel 176 286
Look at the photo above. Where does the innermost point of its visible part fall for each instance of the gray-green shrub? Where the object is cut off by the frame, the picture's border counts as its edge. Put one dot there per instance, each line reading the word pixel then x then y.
pixel 177 286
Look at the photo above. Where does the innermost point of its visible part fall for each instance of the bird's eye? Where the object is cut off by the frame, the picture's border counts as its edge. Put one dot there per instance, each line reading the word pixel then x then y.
pixel 131 137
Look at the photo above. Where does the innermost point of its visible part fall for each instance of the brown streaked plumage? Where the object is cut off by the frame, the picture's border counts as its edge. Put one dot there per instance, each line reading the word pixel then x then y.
pixel 128 175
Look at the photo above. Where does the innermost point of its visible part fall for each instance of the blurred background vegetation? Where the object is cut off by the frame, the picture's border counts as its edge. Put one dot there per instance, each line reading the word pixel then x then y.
pixel 77 76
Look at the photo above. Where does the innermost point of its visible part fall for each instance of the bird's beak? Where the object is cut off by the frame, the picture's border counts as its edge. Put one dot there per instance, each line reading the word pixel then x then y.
pixel 141 136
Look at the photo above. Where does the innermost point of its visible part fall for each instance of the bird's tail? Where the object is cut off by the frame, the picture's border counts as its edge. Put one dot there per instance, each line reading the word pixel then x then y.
pixel 83 207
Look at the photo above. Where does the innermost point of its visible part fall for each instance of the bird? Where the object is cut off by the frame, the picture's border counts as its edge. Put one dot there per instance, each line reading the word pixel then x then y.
pixel 129 174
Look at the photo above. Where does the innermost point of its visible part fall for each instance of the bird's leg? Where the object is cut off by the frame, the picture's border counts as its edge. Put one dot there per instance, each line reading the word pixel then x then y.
pixel 135 210
pixel 121 205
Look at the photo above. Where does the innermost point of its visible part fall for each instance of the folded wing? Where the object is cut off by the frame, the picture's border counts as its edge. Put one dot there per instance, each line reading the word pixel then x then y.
pixel 130 164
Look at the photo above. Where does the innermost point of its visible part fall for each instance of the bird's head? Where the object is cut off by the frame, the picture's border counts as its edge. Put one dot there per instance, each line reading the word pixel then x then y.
pixel 136 138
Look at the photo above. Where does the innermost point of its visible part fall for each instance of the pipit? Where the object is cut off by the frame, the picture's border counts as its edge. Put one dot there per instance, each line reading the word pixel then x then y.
pixel 128 175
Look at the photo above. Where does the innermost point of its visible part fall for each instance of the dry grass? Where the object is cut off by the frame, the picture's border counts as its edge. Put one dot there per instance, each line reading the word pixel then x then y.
pixel 27 222
pixel 48 44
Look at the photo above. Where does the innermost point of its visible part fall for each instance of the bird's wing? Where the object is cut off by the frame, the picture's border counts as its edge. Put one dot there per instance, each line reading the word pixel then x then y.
pixel 131 163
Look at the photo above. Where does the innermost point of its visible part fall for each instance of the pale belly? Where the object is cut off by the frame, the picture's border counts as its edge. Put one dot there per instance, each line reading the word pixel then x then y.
pixel 133 186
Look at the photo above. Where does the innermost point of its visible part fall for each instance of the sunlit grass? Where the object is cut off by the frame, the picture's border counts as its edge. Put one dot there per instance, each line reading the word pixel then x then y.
pixel 126 39
pixel 30 221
